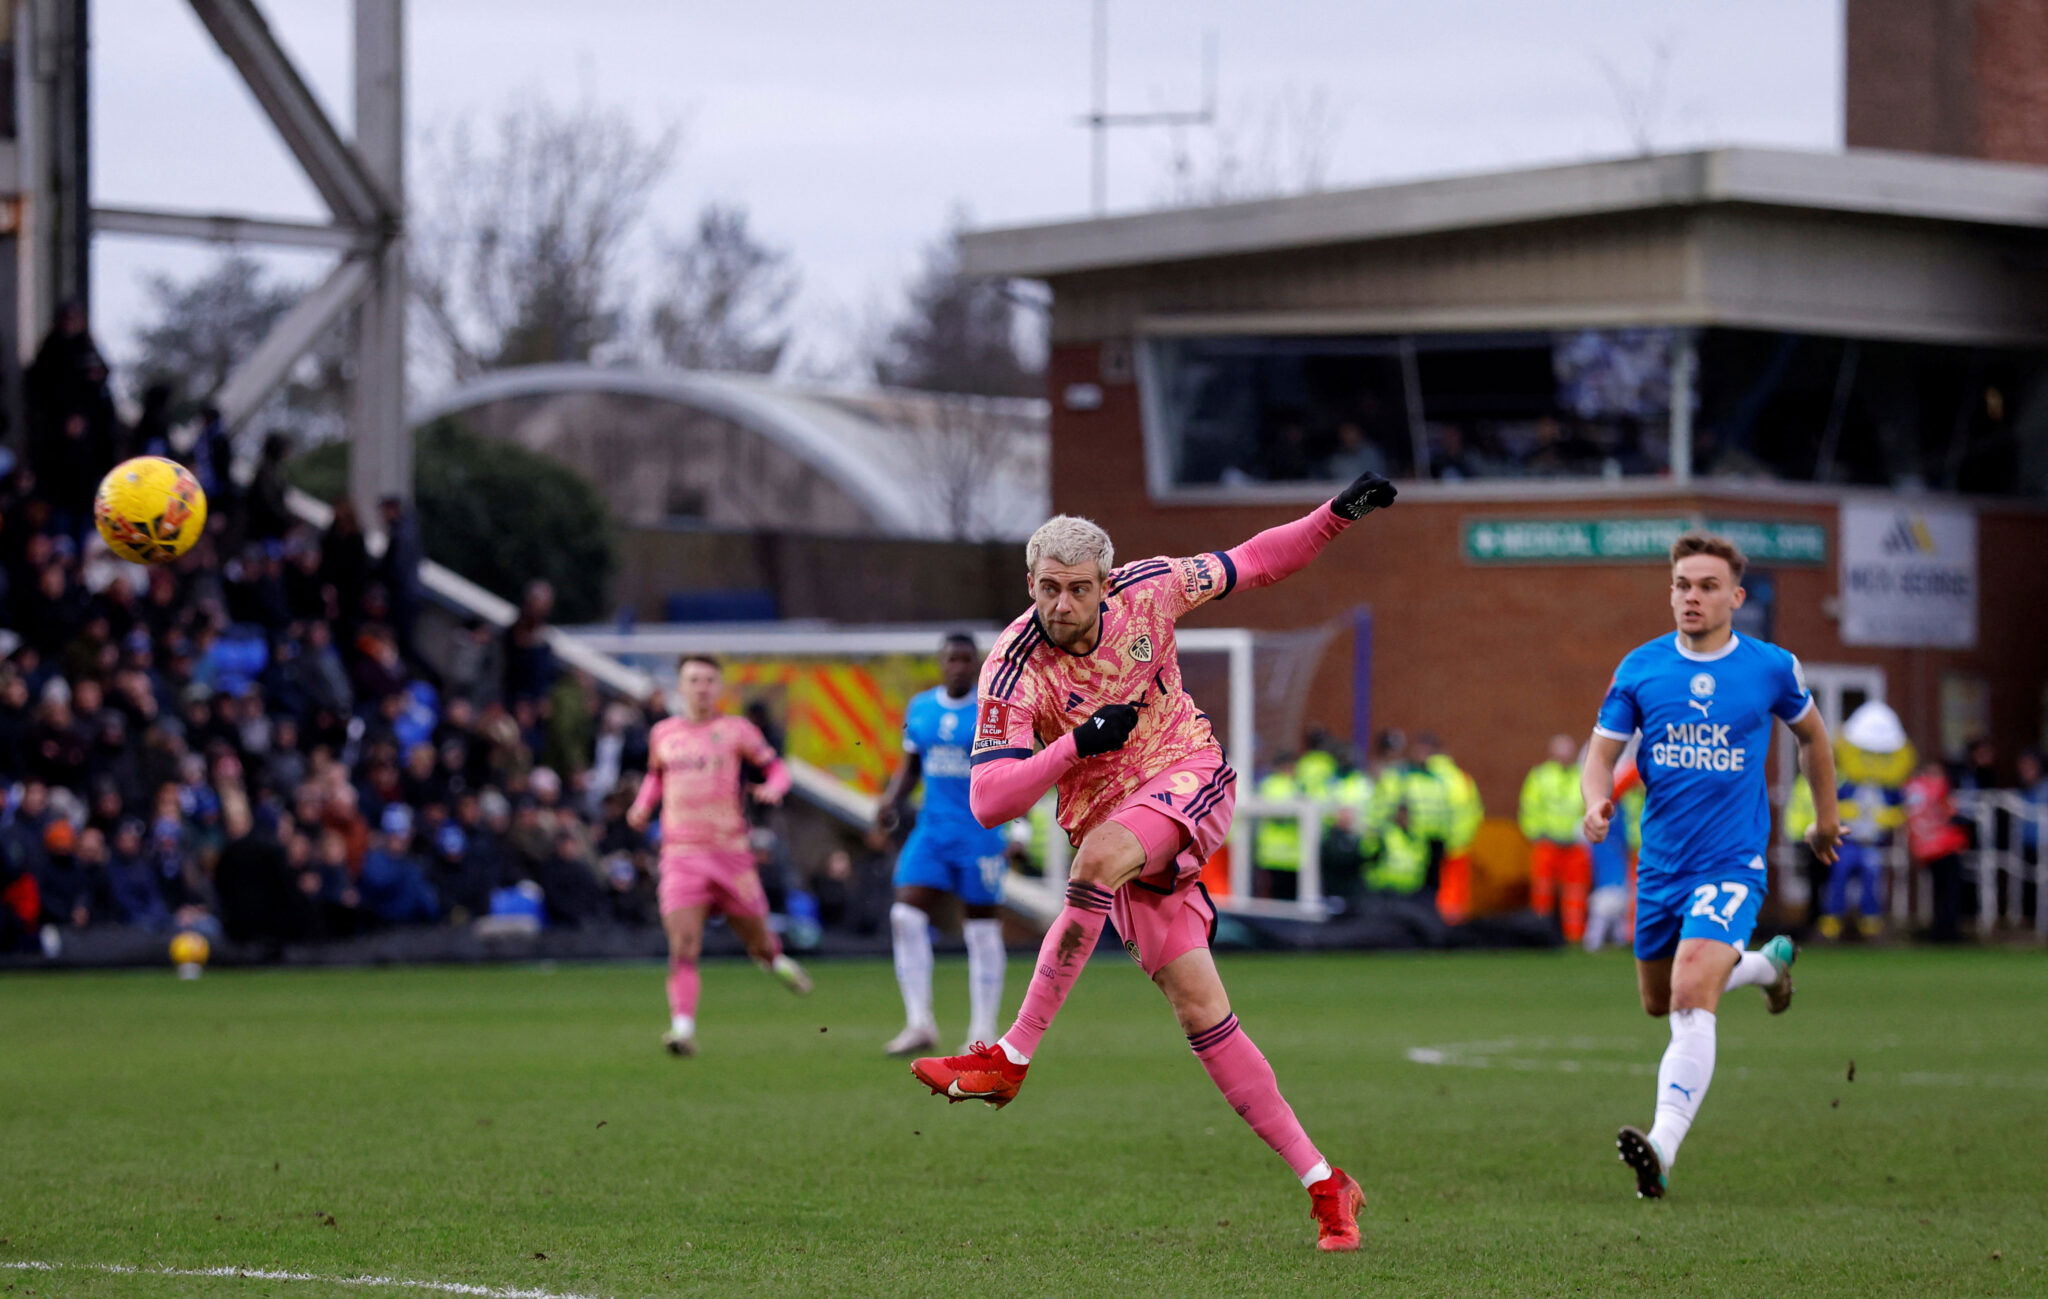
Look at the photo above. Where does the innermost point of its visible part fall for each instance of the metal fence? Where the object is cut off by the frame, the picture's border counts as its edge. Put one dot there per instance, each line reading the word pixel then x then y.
pixel 1994 864
pixel 1997 872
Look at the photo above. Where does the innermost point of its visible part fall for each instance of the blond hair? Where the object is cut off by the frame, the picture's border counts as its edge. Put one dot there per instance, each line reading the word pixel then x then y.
pixel 1070 539
pixel 1706 543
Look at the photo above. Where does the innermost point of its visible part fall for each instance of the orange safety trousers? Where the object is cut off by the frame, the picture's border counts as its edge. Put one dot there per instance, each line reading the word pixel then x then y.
pixel 1560 877
pixel 1454 889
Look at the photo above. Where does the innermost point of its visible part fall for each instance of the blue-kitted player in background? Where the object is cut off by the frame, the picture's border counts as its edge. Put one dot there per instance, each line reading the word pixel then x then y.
pixel 948 852
pixel 1703 700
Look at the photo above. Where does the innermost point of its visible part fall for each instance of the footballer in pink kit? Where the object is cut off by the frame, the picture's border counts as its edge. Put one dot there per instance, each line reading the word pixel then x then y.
pixel 1084 693
pixel 694 774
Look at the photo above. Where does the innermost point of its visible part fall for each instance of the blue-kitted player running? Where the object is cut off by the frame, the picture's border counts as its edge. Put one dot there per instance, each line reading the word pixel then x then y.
pixel 948 852
pixel 1703 700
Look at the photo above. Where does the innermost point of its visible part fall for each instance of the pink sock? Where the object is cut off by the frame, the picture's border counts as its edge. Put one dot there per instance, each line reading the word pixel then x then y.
pixel 682 988
pixel 1249 1087
pixel 1068 945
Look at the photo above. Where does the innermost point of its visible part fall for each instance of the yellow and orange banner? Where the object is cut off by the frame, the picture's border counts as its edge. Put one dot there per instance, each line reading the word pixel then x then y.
pixel 843 716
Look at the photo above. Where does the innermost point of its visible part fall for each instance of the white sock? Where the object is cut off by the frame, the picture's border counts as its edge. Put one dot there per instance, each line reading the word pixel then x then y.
pixel 1753 970
pixel 911 932
pixel 1596 933
pixel 1682 1079
pixel 1316 1174
pixel 683 1025
pixel 1015 1056
pixel 984 977
pixel 1604 912
pixel 784 964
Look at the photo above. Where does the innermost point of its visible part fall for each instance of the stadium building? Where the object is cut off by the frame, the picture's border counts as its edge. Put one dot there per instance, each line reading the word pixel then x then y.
pixel 744 497
pixel 1838 358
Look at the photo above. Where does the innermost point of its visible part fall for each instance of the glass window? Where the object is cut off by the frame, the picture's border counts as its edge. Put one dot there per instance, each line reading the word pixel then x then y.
pixel 1276 409
pixel 1582 404
pixel 1871 413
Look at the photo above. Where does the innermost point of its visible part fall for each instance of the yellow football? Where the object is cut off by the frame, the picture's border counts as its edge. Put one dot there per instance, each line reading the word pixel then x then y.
pixel 149 509
pixel 189 948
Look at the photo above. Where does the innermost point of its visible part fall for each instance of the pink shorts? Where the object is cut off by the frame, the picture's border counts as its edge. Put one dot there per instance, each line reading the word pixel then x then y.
pixel 1159 926
pixel 1181 817
pixel 724 882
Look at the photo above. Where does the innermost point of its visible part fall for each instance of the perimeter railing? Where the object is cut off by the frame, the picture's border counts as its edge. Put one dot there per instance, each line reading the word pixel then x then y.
pixel 2000 858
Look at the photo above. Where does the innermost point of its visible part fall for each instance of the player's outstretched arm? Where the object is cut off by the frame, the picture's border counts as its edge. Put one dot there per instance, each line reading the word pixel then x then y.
pixel 1596 784
pixel 1003 788
pixel 1284 551
pixel 1817 760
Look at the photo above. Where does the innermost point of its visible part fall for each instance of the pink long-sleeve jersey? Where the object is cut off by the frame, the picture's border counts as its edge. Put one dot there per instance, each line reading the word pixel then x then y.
pixel 693 769
pixel 1033 692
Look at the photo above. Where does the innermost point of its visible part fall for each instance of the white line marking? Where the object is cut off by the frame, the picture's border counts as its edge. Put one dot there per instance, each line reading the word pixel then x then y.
pixel 266 1274
pixel 1527 1055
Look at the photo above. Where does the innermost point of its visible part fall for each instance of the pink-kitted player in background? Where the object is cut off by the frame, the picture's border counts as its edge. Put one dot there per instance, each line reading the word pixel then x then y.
pixel 694 774
pixel 1084 693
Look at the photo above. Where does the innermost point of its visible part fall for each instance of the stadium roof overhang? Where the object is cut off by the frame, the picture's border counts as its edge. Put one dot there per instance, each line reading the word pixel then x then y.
pixel 1862 243
pixel 847 437
pixel 1866 182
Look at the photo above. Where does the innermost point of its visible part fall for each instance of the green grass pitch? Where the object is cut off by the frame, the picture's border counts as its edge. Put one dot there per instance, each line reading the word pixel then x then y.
pixel 455 1125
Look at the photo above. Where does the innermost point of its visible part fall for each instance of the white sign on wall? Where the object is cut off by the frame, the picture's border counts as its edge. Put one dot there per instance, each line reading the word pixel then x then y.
pixel 1909 576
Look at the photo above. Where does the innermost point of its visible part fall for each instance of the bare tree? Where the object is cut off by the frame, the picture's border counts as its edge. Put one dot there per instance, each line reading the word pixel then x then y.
pixel 1639 101
pixel 202 326
pixel 725 304
pixel 200 329
pixel 1272 145
pixel 836 343
pixel 518 239
pixel 957 333
pixel 965 447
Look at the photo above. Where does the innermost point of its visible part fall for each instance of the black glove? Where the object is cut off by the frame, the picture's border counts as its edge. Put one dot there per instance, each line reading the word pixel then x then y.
pixel 1368 492
pixel 1106 731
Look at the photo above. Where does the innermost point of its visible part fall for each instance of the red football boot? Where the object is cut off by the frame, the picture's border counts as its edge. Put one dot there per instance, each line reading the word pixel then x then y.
pixel 1335 1203
pixel 983 1074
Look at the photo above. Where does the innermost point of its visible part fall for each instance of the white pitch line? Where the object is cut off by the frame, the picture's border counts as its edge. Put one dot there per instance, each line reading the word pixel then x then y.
pixel 266 1274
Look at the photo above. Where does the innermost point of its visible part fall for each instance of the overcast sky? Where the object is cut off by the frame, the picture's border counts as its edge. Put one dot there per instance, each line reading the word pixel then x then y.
pixel 849 129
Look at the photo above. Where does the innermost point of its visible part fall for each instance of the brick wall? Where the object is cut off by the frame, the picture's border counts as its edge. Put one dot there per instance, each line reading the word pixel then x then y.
pixel 2011 57
pixel 1966 78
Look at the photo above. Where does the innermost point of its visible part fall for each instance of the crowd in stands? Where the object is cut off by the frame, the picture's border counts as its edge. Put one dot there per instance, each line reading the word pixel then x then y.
pixel 249 742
